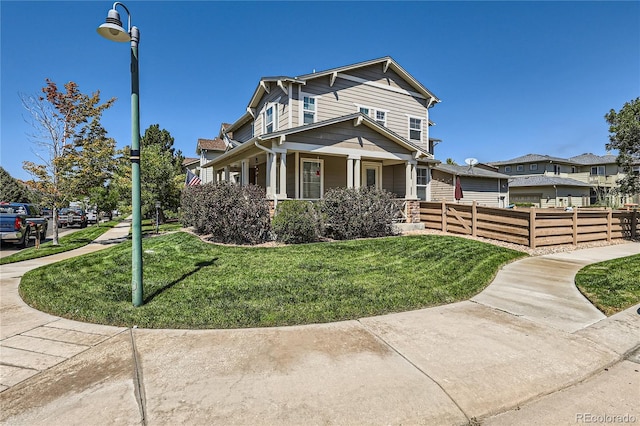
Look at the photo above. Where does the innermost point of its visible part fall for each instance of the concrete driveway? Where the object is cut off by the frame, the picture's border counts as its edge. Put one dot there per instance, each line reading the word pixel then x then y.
pixel 496 359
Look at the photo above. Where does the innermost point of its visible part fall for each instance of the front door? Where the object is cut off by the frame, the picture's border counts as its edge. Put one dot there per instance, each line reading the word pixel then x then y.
pixel 372 175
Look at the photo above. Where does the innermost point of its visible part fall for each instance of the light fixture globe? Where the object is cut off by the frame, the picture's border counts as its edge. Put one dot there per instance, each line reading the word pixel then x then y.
pixel 112 29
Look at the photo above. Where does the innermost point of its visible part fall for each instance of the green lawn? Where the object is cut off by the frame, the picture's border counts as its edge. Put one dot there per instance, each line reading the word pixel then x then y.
pixel 191 284
pixel 612 286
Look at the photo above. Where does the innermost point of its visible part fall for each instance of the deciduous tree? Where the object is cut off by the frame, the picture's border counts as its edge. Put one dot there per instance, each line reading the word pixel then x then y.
pixel 624 135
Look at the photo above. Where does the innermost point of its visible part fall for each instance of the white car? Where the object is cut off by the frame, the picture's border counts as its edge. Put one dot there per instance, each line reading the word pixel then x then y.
pixel 92 216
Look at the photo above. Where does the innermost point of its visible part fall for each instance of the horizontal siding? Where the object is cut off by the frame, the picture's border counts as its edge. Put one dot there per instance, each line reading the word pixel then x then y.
pixel 394 180
pixel 441 186
pixel 345 135
pixel 243 133
pixel 483 191
pixel 375 73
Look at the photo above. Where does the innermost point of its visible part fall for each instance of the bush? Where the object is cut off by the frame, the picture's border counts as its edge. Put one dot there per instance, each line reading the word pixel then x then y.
pixel 229 212
pixel 358 213
pixel 297 222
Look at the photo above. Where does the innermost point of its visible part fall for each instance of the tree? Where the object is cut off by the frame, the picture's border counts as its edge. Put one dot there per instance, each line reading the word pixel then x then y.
pixel 624 135
pixel 59 118
pixel 12 190
pixel 451 161
pixel 160 171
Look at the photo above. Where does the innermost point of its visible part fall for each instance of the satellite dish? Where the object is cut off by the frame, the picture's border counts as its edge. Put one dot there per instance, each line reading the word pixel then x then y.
pixel 471 161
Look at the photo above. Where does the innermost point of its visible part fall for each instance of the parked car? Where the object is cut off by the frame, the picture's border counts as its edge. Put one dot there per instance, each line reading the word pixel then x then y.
pixel 19 222
pixel 92 216
pixel 72 216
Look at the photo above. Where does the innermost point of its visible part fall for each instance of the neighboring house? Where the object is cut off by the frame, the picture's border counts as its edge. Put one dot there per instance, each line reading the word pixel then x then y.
pixel 208 149
pixel 365 124
pixel 190 163
pixel 480 183
pixel 578 181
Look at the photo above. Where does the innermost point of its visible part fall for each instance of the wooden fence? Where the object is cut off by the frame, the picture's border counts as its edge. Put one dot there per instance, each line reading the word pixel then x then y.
pixel 530 226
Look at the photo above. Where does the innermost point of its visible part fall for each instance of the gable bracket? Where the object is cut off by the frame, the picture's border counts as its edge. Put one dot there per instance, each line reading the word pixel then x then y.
pixel 282 139
pixel 357 121
pixel 332 78
pixel 283 87
pixel 265 86
pixel 252 111
pixel 385 66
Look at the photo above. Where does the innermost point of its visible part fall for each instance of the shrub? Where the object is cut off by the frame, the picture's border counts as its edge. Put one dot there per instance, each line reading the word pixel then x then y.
pixel 296 222
pixel 229 212
pixel 358 213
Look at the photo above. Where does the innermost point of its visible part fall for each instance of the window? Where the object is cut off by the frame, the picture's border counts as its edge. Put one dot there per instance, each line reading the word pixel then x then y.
pixel 533 167
pixel 309 110
pixel 520 168
pixel 597 171
pixel 556 169
pixel 270 123
pixel 422 174
pixel 415 129
pixel 364 110
pixel 312 179
pixel 379 115
pixel 371 175
pixel 574 169
pixel 507 169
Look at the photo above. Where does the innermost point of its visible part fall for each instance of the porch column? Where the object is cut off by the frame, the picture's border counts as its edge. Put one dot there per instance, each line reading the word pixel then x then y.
pixel 357 171
pixel 408 183
pixel 227 173
pixel 414 180
pixel 271 174
pixel 244 172
pixel 349 172
pixel 283 175
pixel 297 175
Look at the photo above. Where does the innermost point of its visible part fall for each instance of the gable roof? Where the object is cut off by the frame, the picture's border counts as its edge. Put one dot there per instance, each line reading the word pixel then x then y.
pixel 478 172
pixel 531 158
pixel 359 118
pixel 216 144
pixel 542 180
pixel 386 61
pixel 189 160
pixel 589 159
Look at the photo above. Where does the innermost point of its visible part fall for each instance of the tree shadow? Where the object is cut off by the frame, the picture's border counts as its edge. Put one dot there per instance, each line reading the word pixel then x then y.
pixel 161 290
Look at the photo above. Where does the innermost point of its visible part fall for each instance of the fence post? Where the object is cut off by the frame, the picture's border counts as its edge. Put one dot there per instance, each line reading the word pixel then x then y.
pixel 444 216
pixel 474 217
pixel 609 220
pixel 634 223
pixel 575 227
pixel 532 227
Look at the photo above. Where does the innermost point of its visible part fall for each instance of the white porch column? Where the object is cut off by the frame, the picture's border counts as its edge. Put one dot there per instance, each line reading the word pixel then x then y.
pixel 408 184
pixel 414 180
pixel 244 172
pixel 357 171
pixel 349 172
pixel 283 175
pixel 297 175
pixel 271 176
pixel 227 173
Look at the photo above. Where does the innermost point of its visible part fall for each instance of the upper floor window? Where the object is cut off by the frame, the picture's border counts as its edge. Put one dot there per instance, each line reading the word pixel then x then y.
pixel 520 168
pixel 270 121
pixel 379 115
pixel 574 169
pixel 533 167
pixel 556 169
pixel 415 129
pixel 597 170
pixel 309 110
pixel 253 128
pixel 507 169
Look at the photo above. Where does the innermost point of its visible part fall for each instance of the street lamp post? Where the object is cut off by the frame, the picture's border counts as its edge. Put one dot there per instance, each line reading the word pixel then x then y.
pixel 112 29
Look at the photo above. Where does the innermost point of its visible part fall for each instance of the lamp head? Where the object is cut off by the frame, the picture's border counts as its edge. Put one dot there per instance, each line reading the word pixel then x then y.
pixel 112 29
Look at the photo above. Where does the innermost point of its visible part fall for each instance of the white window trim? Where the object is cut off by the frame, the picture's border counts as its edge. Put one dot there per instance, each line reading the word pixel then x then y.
pixel 311 160
pixel 426 185
pixel 363 175
pixel 273 105
pixel 533 166
pixel 301 106
pixel 415 117
pixel 373 111
pixel 507 169
pixel 520 168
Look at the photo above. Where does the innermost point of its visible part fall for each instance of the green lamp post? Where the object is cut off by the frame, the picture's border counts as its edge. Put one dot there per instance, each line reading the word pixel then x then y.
pixel 112 29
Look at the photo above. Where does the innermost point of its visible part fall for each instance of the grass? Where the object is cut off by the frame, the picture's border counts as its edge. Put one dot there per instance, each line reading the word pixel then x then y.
pixel 82 238
pixel 612 286
pixel 67 242
pixel 191 284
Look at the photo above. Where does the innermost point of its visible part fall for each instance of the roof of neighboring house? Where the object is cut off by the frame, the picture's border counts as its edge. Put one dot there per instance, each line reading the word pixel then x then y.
pixel 589 159
pixel 478 172
pixel 531 158
pixel 189 160
pixel 542 180
pixel 216 144
pixel 386 61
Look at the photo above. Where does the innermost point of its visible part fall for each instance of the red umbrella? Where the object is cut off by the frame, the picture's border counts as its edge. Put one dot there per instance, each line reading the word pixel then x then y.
pixel 458 192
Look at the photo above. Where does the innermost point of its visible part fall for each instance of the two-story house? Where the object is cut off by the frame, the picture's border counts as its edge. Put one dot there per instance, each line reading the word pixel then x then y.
pixel 578 181
pixel 365 124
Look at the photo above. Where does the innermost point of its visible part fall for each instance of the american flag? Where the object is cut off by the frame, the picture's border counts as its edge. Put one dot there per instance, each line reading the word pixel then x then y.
pixel 192 179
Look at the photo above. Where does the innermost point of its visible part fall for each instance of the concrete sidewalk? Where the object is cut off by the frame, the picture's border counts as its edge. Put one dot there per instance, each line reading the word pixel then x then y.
pixel 529 342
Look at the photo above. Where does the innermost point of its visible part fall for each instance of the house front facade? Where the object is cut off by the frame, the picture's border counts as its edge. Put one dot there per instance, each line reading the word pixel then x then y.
pixel 365 124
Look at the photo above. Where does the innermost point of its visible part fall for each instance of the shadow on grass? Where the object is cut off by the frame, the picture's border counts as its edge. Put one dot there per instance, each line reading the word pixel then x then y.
pixel 161 290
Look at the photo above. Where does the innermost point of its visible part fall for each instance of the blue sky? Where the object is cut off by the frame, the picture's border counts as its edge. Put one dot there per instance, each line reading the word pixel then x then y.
pixel 514 77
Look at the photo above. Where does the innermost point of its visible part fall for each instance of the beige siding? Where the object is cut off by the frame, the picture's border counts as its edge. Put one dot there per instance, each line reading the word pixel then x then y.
pixel 335 172
pixel 484 191
pixel 273 95
pixel 345 135
pixel 442 186
pixel 394 179
pixel 545 196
